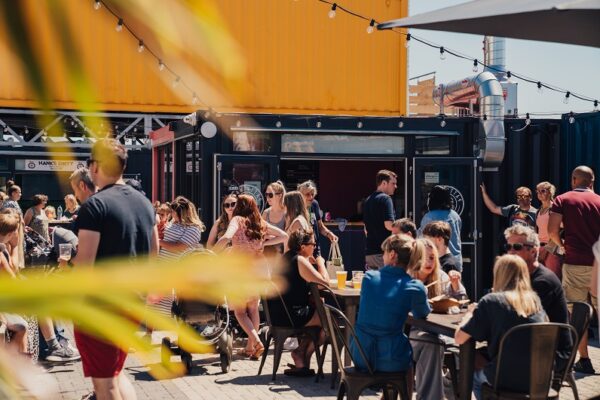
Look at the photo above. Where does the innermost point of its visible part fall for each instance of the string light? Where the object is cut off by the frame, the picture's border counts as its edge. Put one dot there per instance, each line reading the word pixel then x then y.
pixel 571 118
pixel 141 46
pixel 527 119
pixel 566 99
pixel 331 13
pixel 278 124
pixel 595 105
pixel 319 124
pixel 97 4
pixel 475 65
pixel 540 87
pixel 161 65
pixel 508 74
pixel 371 27
pixel 119 26
pixel 442 53
pixel 401 124
pixel 407 42
pixel 443 121
pixel 194 99
pixel 176 81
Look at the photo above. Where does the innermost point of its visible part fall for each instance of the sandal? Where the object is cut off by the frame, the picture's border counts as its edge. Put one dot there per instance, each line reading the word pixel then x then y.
pixel 259 349
pixel 299 372
pixel 244 352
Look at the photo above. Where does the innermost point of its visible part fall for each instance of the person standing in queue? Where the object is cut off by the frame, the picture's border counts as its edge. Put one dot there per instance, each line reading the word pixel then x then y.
pixel 116 211
pixel 309 191
pixel 379 216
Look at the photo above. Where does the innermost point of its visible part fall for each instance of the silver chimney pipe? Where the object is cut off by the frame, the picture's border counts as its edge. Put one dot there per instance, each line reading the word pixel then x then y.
pixel 484 89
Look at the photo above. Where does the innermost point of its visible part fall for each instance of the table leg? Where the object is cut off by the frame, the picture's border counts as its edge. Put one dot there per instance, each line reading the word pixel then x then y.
pixel 350 311
pixel 466 359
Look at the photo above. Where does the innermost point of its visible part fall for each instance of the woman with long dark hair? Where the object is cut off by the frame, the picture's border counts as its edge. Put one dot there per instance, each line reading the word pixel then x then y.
pixel 220 226
pixel 296 213
pixel 249 233
pixel 440 209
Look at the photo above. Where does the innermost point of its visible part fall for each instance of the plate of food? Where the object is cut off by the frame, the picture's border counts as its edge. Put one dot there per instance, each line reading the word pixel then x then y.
pixel 442 303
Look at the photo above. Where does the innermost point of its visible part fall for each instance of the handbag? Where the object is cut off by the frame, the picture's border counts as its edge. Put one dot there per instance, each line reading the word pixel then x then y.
pixel 334 261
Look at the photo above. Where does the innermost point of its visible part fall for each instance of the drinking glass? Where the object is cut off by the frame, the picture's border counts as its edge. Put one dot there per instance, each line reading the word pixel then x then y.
pixel 357 277
pixel 65 251
pixel 341 279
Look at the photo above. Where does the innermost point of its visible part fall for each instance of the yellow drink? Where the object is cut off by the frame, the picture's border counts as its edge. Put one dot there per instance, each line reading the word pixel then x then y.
pixel 341 279
pixel 357 283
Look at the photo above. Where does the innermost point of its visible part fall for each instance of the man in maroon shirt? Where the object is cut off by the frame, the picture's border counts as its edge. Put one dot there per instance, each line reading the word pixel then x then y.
pixel 579 212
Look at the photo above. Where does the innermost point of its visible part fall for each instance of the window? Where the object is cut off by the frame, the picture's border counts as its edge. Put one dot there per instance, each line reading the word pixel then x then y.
pixel 342 144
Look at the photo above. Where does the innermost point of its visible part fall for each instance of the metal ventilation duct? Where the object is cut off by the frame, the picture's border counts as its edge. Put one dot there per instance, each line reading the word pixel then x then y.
pixel 483 90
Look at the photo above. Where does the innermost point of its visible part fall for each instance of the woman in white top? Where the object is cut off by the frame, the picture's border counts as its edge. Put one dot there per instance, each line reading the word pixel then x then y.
pixel 185 230
pixel 275 214
pixel 220 226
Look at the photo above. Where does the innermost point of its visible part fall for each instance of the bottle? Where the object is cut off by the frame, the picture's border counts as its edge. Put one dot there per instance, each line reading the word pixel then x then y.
pixel 59 212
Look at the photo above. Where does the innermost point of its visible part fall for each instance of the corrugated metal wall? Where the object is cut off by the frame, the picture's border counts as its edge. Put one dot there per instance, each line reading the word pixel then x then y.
pixel 298 60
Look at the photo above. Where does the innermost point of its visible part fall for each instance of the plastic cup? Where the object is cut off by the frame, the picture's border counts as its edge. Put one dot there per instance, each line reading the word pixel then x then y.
pixel 65 251
pixel 357 277
pixel 341 279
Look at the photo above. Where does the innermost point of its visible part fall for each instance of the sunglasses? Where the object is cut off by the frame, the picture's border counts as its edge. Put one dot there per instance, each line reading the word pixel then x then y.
pixel 516 246
pixel 542 191
pixel 229 205
pixel 523 196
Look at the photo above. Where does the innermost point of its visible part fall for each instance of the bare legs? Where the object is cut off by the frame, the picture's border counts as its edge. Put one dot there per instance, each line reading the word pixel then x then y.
pixel 247 316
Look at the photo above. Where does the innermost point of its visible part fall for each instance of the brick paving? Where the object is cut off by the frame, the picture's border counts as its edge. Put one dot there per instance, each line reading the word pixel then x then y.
pixel 207 382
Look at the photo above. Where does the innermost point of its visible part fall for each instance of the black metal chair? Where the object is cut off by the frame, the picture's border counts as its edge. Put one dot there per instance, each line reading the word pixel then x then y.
pixel 580 318
pixel 525 362
pixel 353 382
pixel 319 291
pixel 278 334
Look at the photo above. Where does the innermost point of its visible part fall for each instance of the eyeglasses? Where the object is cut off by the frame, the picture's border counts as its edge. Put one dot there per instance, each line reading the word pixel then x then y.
pixel 523 196
pixel 542 191
pixel 516 246
pixel 229 205
pixel 270 195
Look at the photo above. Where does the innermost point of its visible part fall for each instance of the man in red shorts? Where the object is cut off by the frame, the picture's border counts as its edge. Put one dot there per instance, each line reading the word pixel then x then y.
pixel 579 212
pixel 117 221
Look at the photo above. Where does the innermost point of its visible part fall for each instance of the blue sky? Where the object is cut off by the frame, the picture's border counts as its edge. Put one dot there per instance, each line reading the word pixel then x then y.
pixel 575 68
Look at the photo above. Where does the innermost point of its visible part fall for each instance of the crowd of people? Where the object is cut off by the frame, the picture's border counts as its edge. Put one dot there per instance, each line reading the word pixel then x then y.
pixel 406 266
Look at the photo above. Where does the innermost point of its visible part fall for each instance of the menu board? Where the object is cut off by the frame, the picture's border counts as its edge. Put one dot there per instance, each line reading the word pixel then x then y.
pixel 295 172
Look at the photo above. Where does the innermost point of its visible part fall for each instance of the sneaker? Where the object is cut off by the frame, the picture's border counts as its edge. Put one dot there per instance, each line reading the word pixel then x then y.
pixel 290 344
pixel 89 396
pixel 584 366
pixel 62 354
pixel 66 343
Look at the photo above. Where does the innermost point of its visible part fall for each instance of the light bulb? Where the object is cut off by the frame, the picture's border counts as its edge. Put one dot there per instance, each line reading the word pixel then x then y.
pixel 571 118
pixel 475 66
pixel 278 124
pixel 26 130
pixel 319 124
pixel 5 128
pixel 527 119
pixel 566 99
pixel 119 26
pixel 176 81
pixel 140 46
pixel 407 42
pixel 331 13
pixel 371 26
pixel 359 124
pixel 194 99
pixel 401 124
pixel 97 4
pixel 443 123
pixel 442 53
pixel 540 87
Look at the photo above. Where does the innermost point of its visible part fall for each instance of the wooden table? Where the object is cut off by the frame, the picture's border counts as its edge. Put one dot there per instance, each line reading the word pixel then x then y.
pixel 446 324
pixel 349 299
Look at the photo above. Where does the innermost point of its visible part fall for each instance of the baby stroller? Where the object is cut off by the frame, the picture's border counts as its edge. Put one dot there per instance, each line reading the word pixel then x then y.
pixel 212 322
pixel 38 251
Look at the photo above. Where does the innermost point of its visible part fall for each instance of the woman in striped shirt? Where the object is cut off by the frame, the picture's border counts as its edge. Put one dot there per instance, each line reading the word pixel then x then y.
pixel 185 230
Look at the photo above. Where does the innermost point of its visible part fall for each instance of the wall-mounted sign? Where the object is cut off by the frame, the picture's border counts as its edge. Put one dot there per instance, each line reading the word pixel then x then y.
pixel 49 165
pixel 432 177
pixel 458 201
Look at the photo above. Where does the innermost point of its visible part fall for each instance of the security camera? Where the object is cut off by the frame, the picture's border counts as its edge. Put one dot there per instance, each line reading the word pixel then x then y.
pixel 191 119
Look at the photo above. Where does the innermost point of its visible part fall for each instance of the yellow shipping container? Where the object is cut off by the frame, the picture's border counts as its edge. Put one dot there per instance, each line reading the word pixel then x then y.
pixel 298 60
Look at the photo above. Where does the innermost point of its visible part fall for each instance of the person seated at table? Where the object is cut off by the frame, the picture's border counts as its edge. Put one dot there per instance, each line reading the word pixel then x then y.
pixel 71 207
pixel 439 232
pixel 428 348
pixel 50 213
pixel 406 226
pixel 512 302
pixel 386 297
pixel 301 270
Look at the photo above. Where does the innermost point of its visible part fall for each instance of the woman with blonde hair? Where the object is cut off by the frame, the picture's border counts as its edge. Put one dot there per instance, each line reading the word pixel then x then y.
pixel 220 226
pixel 315 215
pixel 249 233
pixel 71 206
pixel 386 297
pixel 185 231
pixel 428 349
pixel 512 302
pixel 548 249
pixel 275 214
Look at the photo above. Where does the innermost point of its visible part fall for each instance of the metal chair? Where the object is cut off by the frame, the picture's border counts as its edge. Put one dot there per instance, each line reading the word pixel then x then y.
pixel 525 362
pixel 353 382
pixel 580 318
pixel 278 334
pixel 317 291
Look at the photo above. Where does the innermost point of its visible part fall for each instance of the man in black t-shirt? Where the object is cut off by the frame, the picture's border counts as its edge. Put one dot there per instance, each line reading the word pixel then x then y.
pixel 524 242
pixel 117 221
pixel 439 232
pixel 522 213
pixel 379 215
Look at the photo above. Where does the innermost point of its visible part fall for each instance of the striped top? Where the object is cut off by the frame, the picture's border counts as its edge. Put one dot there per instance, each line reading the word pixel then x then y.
pixel 179 233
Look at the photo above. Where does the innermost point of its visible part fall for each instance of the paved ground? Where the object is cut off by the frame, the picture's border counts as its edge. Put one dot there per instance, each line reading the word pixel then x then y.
pixel 207 381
